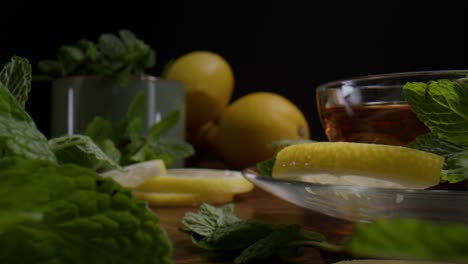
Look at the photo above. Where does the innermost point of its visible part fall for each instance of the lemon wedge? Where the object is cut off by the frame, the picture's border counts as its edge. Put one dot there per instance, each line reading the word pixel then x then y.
pixel 133 175
pixel 198 180
pixel 161 199
pixel 362 164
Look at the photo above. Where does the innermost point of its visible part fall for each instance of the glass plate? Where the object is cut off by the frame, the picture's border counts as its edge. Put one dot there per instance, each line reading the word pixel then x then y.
pixel 363 204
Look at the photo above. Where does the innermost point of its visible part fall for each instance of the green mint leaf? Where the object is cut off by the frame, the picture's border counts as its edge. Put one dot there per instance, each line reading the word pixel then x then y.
pixel 442 106
pixel 137 107
pixel 71 58
pixel 271 246
pixel 91 51
pixel 205 221
pixel 86 218
pixel 10 219
pixel 81 150
pixel 219 230
pixel 19 135
pixel 72 53
pixel 236 236
pixel 124 143
pixel 311 236
pixel 109 148
pixel 149 60
pixel 160 128
pixel 171 149
pixel 16 76
pixel 410 239
pixel 111 47
pixel 99 130
pixel 454 169
pixel 128 38
pixel 155 146
pixel 128 129
pixel 265 167
pixel 115 56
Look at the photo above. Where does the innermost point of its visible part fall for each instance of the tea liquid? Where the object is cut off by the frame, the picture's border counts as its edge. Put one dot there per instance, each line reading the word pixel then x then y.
pixel 380 124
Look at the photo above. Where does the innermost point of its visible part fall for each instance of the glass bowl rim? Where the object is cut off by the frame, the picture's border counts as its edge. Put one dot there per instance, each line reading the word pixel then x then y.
pixel 389 76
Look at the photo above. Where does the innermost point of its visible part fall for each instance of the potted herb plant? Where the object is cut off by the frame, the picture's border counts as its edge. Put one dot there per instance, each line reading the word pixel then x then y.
pixel 102 79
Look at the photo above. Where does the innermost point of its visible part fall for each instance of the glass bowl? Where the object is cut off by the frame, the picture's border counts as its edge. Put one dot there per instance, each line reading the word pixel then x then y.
pixel 365 204
pixel 372 108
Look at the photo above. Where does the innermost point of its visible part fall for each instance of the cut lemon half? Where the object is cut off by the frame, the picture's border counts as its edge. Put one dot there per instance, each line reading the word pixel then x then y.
pixel 362 164
pixel 133 175
pixel 198 180
pixel 161 199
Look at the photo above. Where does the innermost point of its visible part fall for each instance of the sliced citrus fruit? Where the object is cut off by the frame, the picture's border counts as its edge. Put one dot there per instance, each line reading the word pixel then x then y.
pixel 162 199
pixel 198 180
pixel 363 164
pixel 133 175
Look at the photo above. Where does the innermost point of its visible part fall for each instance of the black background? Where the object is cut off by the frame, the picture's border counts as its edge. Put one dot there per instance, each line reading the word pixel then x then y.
pixel 287 47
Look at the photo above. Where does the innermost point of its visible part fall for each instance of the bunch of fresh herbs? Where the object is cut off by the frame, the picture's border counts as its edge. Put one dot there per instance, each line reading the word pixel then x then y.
pixel 123 143
pixel 65 213
pixel 219 230
pixel 118 56
pixel 442 105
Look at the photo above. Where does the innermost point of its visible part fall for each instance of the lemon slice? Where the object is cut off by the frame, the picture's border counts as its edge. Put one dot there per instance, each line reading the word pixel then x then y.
pixel 161 199
pixel 198 180
pixel 362 164
pixel 133 175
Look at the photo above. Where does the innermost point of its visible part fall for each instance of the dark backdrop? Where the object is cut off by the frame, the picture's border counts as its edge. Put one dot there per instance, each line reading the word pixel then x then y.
pixel 287 47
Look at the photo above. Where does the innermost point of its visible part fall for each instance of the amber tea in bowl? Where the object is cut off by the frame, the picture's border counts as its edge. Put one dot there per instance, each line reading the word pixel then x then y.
pixel 372 109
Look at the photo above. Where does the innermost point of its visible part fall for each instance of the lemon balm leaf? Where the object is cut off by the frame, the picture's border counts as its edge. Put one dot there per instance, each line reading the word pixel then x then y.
pixel 442 105
pixel 454 155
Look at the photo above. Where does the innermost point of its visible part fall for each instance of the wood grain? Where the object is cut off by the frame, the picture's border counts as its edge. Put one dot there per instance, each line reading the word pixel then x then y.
pixel 254 205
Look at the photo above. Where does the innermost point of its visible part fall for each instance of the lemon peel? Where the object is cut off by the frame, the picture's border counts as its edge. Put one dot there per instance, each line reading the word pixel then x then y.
pixel 362 164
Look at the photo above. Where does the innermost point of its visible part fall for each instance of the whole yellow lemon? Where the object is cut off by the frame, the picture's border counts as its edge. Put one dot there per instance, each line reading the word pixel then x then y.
pixel 208 80
pixel 244 133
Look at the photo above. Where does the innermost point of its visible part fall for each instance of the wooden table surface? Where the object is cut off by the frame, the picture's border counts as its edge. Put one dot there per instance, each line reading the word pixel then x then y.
pixel 254 205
